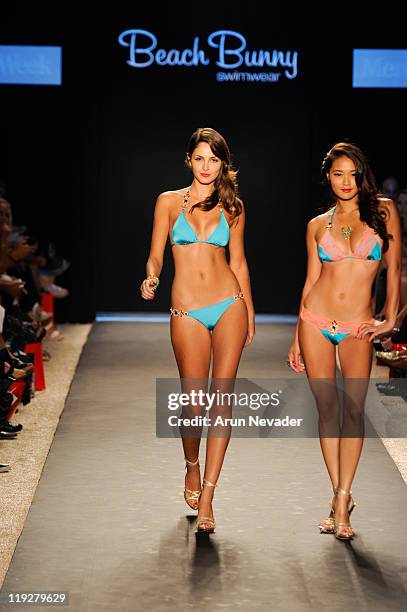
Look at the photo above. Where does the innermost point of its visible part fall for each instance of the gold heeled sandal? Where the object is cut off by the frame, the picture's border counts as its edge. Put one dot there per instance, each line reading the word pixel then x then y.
pixel 328 525
pixel 192 496
pixel 208 520
pixel 339 527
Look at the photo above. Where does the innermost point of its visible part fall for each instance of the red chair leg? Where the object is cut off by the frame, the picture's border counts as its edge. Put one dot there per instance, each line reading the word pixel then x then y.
pixel 17 389
pixel 39 374
pixel 47 302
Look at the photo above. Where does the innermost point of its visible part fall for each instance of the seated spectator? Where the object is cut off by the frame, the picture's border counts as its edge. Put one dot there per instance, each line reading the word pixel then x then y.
pixel 54 266
pixel 14 365
pixel 24 275
pixel 22 285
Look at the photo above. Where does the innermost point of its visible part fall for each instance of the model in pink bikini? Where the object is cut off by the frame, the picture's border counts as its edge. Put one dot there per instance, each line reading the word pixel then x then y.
pixel 345 246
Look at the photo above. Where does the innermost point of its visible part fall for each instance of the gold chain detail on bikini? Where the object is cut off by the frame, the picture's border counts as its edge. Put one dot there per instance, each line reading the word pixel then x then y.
pixel 240 296
pixel 329 226
pixel 186 199
pixel 347 231
pixel 333 328
pixel 178 312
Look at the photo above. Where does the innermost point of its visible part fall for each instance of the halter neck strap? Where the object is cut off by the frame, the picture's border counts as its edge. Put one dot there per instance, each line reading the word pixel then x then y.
pixel 329 226
pixel 185 201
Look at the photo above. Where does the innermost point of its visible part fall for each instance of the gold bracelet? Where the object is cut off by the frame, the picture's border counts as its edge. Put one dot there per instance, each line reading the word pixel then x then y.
pixel 157 281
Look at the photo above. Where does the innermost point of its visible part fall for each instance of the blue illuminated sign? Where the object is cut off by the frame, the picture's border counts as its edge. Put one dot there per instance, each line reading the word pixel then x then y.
pixel 22 65
pixel 379 68
pixel 231 53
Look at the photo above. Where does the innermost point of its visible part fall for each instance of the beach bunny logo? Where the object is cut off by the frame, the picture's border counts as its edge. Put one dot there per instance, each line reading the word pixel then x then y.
pixel 231 53
pixel 142 51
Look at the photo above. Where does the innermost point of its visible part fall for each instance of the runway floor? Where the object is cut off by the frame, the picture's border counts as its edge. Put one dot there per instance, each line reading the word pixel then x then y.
pixel 108 523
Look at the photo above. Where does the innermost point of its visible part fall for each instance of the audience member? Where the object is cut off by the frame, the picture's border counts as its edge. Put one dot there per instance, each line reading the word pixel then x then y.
pixel 390 187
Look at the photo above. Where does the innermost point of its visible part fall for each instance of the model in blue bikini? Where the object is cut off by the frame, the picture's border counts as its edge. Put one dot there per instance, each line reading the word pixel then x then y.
pixel 183 233
pixel 212 312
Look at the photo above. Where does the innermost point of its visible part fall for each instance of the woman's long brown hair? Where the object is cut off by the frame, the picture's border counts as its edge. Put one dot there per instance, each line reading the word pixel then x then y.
pixel 226 189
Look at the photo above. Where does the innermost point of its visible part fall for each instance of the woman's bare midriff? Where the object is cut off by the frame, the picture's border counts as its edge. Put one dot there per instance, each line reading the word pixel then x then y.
pixel 202 276
pixel 343 290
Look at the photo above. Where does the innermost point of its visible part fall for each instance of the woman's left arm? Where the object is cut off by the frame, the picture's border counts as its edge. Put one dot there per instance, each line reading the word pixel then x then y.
pixel 392 259
pixel 239 267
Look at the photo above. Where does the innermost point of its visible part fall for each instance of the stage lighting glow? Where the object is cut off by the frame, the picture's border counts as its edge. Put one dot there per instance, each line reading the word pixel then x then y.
pixel 29 65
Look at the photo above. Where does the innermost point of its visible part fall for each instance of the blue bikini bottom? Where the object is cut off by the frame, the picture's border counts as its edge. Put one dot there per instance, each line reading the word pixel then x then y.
pixel 209 315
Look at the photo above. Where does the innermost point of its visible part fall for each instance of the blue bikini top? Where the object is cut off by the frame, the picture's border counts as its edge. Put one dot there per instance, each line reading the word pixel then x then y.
pixel 183 232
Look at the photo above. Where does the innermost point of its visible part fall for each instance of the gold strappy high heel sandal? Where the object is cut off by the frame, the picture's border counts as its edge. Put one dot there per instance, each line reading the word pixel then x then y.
pixel 208 520
pixel 192 496
pixel 339 527
pixel 328 525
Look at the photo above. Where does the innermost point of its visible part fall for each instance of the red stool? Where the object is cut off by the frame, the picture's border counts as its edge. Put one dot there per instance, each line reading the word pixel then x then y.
pixel 39 375
pixel 17 389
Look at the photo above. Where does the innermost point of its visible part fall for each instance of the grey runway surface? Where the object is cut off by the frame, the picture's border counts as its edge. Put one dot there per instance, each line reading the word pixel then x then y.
pixel 108 523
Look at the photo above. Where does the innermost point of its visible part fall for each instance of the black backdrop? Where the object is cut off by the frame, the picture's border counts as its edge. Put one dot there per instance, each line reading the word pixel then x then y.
pixel 84 163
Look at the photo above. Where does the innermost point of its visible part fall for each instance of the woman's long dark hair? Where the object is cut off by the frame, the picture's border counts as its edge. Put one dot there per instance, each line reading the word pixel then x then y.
pixel 225 184
pixel 368 193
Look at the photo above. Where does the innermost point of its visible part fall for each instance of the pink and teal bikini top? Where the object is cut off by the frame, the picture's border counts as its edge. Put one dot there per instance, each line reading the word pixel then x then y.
pixel 183 232
pixel 368 248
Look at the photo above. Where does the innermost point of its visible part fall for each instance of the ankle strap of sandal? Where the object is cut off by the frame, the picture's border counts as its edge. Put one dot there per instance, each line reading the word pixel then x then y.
pixel 191 462
pixel 208 484
pixel 342 491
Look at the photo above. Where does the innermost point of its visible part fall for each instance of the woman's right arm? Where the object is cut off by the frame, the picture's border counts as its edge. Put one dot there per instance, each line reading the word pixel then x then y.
pixel 158 240
pixel 313 273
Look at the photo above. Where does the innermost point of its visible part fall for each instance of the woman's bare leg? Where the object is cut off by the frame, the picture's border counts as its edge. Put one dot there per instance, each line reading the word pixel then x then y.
pixel 228 340
pixel 319 357
pixel 191 342
pixel 355 358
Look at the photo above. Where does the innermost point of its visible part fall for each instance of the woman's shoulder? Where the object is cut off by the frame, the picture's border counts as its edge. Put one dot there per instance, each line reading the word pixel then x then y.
pixel 386 204
pixel 388 208
pixel 168 199
pixel 172 194
pixel 319 221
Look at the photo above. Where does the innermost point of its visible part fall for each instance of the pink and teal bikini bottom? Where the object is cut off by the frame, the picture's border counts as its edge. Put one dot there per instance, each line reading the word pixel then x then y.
pixel 334 330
